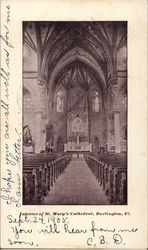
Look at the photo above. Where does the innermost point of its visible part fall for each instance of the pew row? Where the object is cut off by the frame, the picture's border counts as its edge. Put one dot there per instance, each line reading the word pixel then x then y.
pixel 112 177
pixel 38 178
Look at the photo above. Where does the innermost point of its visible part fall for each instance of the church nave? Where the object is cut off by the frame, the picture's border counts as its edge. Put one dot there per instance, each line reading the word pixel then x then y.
pixel 75 107
pixel 76 186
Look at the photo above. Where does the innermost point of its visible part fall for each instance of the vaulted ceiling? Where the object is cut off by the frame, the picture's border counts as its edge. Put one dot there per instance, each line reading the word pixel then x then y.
pixel 104 42
pixel 77 72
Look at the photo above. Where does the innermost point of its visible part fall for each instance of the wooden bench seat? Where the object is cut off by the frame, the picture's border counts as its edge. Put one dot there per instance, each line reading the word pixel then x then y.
pixel 112 176
pixel 39 177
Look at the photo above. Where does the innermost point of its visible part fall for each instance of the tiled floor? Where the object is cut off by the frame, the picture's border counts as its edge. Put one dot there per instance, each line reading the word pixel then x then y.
pixel 76 186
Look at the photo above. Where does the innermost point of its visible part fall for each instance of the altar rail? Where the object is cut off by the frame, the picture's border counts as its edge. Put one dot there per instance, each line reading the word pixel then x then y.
pixel 112 177
pixel 38 178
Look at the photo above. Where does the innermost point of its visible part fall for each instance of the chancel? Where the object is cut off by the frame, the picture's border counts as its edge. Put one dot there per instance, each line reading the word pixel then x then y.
pixel 78 141
pixel 75 113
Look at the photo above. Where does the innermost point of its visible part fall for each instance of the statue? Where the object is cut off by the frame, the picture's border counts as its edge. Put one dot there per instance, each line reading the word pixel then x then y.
pixel 27 134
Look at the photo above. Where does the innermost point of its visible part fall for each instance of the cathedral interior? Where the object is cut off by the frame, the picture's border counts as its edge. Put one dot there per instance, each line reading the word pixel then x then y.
pixel 75 112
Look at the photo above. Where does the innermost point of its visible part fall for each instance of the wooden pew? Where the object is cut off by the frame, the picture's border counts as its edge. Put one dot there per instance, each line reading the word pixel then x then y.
pixel 39 177
pixel 35 177
pixel 116 183
pixel 111 175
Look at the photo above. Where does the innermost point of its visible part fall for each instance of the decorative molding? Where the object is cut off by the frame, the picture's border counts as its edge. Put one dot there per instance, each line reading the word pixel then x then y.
pixel 42 81
pixel 113 80
pixel 29 72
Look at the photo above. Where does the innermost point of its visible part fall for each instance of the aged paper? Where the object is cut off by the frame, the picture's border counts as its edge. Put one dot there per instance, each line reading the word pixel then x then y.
pixel 84 226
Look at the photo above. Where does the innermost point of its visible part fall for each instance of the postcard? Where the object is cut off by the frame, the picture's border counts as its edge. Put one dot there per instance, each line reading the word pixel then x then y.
pixel 74 124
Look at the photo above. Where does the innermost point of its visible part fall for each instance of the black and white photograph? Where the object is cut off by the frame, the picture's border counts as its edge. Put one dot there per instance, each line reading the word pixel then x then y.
pixel 73 124
pixel 75 112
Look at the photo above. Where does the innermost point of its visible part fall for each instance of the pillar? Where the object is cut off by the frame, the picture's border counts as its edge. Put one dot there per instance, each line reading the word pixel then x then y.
pixel 117 131
pixel 108 135
pixel 116 114
pixel 40 117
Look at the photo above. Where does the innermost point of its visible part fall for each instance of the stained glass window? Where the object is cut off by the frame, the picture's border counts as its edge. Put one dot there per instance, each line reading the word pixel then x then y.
pixel 59 101
pixel 95 101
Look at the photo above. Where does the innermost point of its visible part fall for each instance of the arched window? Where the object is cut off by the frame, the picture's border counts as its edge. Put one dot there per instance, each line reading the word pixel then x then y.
pixel 59 101
pixel 95 102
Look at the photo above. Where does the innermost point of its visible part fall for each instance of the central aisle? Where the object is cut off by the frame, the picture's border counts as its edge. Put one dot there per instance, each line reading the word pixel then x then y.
pixel 76 186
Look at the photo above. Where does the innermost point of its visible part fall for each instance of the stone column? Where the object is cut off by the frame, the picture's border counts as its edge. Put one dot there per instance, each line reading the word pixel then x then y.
pixel 117 131
pixel 40 127
pixel 108 134
pixel 116 120
pixel 38 146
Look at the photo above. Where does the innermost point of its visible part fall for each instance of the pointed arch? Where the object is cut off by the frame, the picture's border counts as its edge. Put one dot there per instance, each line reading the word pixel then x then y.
pixel 77 54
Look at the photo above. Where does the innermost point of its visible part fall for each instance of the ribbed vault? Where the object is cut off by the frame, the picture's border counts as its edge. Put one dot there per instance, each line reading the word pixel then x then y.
pixel 53 40
pixel 82 61
pixel 77 72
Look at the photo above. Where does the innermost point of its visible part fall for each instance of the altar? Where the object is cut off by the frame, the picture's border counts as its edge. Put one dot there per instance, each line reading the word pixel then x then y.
pixel 77 147
pixel 77 142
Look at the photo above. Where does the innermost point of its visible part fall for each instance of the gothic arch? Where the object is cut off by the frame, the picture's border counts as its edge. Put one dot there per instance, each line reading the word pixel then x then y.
pixel 79 55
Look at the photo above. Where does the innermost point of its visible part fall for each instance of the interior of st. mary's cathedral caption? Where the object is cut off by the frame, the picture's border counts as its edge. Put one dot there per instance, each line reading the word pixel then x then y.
pixel 75 113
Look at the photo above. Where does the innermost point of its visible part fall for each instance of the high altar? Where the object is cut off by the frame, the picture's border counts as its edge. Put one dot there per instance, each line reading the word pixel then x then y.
pixel 78 143
pixel 77 121
pixel 78 147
